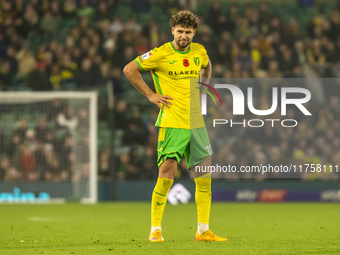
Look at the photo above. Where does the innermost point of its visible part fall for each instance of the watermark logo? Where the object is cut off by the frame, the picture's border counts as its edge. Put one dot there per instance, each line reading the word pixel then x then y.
pixel 267 128
pixel 204 97
pixel 239 100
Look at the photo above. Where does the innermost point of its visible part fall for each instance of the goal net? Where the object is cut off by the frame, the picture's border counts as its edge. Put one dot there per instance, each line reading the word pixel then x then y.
pixel 48 149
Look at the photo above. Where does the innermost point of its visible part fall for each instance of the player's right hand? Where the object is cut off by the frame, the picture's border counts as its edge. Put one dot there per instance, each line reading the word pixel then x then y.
pixel 160 99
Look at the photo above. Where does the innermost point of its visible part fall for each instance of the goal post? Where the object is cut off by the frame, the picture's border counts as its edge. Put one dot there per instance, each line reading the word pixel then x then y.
pixel 48 146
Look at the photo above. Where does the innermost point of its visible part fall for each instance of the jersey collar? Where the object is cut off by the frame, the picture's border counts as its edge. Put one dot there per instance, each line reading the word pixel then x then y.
pixel 181 52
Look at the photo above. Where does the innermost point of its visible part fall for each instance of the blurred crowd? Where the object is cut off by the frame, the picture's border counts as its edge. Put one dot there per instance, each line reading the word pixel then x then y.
pixel 84 44
pixel 41 146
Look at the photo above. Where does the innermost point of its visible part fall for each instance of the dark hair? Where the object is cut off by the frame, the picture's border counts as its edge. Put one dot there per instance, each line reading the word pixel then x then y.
pixel 184 19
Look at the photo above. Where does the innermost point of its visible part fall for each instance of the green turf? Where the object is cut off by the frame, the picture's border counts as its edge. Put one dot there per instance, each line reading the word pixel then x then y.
pixel 123 228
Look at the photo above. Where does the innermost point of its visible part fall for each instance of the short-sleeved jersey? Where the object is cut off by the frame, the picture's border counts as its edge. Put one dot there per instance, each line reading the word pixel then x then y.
pixel 172 71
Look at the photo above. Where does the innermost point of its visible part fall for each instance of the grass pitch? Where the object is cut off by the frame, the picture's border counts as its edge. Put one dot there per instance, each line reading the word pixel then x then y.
pixel 123 228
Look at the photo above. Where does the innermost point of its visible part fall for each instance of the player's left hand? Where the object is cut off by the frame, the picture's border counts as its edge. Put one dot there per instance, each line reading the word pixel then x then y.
pixel 160 99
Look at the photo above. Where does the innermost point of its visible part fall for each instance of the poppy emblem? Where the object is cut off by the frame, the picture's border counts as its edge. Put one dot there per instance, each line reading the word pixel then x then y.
pixel 185 62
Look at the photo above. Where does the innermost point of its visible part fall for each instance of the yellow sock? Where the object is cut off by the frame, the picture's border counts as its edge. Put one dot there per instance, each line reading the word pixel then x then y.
pixel 158 201
pixel 203 198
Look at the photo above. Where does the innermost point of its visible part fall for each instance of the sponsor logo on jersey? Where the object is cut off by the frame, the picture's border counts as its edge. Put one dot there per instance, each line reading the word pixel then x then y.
pixel 172 62
pixel 189 72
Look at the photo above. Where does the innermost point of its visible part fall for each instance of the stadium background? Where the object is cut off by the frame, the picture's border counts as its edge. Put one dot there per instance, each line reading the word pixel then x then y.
pixel 81 45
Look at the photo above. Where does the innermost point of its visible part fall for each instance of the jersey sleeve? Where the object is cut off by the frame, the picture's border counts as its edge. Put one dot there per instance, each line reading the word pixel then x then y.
pixel 205 58
pixel 149 60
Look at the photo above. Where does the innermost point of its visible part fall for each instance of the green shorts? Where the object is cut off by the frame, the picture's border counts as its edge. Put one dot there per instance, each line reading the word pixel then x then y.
pixel 194 144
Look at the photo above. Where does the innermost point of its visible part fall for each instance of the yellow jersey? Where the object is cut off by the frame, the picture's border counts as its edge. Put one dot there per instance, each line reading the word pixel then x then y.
pixel 176 74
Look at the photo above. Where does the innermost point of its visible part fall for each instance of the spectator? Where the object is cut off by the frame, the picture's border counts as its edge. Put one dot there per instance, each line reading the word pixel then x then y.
pixel 300 55
pixel 136 132
pixel 134 170
pixel 69 9
pixel 22 129
pixel 87 76
pixel 245 60
pixel 273 70
pixel 104 164
pixel 116 77
pixel 67 119
pixel 123 165
pixel 287 63
pixel 121 121
pixel 31 18
pixel 55 77
pixel 265 14
pixel 49 23
pixel 150 170
pixel 102 13
pixel 254 51
pixel 65 153
pixel 314 54
pixel 28 164
pixel 217 20
pixel 10 57
pixel 2 142
pixel 55 10
pixel 37 79
pixel 68 67
pixel 5 75
pixel 41 130
pixel 39 154
pixel 4 168
pixel 57 107
pixel 26 61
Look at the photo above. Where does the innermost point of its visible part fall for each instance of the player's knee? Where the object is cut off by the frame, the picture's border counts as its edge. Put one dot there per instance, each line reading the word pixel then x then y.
pixel 168 168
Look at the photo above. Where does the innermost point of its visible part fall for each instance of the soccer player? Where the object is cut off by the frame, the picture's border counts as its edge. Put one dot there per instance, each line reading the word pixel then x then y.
pixel 172 66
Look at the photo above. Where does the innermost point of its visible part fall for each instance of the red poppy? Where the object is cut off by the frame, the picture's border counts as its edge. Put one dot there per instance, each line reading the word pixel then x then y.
pixel 185 62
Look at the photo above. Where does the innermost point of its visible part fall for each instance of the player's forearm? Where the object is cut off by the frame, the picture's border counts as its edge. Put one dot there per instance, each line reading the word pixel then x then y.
pixel 206 73
pixel 133 74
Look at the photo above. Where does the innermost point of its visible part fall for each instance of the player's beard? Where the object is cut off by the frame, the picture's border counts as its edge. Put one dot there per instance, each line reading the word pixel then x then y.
pixel 183 44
